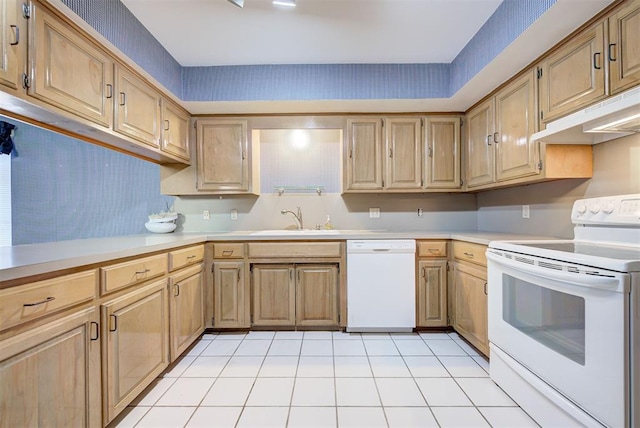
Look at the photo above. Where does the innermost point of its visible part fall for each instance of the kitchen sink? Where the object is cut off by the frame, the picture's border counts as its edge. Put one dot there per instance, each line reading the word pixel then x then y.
pixel 294 232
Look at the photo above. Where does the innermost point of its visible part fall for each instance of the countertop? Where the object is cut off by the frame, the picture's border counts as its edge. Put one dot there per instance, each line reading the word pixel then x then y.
pixel 34 259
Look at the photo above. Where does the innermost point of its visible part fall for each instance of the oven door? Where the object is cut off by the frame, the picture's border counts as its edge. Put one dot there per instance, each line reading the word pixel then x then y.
pixel 568 324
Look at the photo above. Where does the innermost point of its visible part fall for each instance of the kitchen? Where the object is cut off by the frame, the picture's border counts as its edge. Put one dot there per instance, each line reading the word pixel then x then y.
pixel 118 208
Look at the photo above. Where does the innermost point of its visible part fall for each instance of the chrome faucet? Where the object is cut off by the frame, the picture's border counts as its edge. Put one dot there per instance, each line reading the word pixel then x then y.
pixel 297 217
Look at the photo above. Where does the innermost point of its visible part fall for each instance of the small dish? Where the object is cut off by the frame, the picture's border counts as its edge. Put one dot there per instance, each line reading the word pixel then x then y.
pixel 160 227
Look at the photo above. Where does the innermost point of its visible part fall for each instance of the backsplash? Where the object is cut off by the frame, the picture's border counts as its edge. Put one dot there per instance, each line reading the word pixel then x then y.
pixel 63 188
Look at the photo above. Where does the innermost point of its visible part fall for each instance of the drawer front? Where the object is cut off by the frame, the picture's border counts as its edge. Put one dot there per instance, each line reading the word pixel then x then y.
pixel 228 251
pixel 31 301
pixel 470 252
pixel 432 248
pixel 185 257
pixel 124 274
pixel 294 249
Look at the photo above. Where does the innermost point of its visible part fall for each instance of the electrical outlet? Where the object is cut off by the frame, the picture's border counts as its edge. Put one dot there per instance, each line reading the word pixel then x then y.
pixel 419 212
pixel 234 214
pixel 525 211
pixel 205 215
pixel 374 212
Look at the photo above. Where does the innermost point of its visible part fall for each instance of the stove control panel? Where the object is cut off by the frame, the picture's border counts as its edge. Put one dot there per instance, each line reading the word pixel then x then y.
pixel 622 210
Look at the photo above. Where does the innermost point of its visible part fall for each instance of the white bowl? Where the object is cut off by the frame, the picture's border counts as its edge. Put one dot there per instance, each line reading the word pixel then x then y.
pixel 160 227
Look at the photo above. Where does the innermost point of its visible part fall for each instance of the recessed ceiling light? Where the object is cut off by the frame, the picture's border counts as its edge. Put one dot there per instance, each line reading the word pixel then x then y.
pixel 287 3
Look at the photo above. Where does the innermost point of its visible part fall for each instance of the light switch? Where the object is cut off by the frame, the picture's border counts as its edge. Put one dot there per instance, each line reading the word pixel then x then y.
pixel 234 214
pixel 525 211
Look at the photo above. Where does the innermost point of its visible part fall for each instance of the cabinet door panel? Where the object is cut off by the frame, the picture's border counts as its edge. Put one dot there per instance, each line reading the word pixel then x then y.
pixel 432 293
pixel 229 295
pixel 317 295
pixel 13 43
pixel 187 312
pixel 403 141
pixel 515 123
pixel 67 71
pixel 273 295
pixel 442 166
pixel 624 47
pixel 222 155
pixel 471 305
pixel 364 154
pixel 51 376
pixel 480 145
pixel 175 130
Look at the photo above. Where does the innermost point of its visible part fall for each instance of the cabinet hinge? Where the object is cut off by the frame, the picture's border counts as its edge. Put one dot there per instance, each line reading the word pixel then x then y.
pixel 461 122
pixel 26 81
pixel 422 121
pixel 448 320
pixel 539 72
pixel 382 122
pixel 26 11
pixel 540 165
pixel 448 268
pixel 541 115
pixel 212 266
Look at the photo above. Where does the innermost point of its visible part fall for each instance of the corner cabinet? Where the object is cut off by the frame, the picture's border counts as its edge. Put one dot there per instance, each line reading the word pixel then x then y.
pixel 13 44
pixel 222 156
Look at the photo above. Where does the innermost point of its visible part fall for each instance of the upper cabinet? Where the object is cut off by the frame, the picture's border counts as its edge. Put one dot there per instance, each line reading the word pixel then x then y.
pixel 623 51
pixel 175 130
pixel 222 159
pixel 480 159
pixel 400 154
pixel 68 71
pixel 13 44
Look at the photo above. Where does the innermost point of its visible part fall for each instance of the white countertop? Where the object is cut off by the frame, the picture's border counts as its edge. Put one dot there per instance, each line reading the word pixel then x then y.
pixel 27 260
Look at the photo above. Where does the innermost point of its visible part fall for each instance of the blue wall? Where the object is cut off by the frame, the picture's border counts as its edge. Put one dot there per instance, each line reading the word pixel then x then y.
pixel 63 188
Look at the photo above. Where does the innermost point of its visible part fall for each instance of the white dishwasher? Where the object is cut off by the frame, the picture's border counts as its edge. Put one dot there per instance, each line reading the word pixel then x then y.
pixel 381 285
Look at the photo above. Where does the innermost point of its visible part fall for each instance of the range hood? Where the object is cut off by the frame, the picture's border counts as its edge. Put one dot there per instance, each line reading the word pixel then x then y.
pixel 612 118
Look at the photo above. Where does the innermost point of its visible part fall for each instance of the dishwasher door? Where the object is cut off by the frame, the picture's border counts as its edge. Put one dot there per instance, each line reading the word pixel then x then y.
pixel 381 285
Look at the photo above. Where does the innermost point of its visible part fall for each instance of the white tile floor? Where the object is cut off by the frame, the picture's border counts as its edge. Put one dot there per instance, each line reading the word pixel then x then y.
pixel 326 379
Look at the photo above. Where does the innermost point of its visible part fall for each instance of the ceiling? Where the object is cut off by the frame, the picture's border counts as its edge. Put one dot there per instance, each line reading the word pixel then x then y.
pixel 215 32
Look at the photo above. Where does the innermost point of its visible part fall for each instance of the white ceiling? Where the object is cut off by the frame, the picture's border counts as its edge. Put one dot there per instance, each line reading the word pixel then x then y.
pixel 215 32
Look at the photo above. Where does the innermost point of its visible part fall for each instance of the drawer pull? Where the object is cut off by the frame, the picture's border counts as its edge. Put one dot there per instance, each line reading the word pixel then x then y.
pixel 227 252
pixel 470 255
pixel 41 302
pixel 115 322
pixel 97 331
pixel 142 272
pixel 434 251
pixel 191 257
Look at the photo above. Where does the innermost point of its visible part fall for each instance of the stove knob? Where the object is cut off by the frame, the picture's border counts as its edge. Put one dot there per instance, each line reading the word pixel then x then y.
pixel 608 208
pixel 581 209
pixel 594 208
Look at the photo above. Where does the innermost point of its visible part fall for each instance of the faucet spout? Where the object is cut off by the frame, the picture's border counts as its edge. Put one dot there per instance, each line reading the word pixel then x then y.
pixel 296 216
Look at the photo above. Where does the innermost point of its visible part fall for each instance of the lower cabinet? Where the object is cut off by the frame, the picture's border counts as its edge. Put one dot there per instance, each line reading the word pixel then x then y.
pixel 229 295
pixel 135 344
pixel 432 293
pixel 50 376
pixel 295 295
pixel 470 285
pixel 186 303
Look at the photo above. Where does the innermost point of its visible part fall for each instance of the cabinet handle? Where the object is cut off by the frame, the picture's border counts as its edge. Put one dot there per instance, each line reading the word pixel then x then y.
pixel 166 123
pixel 123 98
pixel 485 289
pixel 470 255
pixel 430 153
pixel 611 57
pixel 97 331
pixel 596 57
pixel 350 153
pixel 115 322
pixel 488 140
pixel 238 275
pixel 110 91
pixel 390 153
pixel 142 272
pixel 424 273
pixel 227 252
pixel 16 31
pixel 41 302
pixel 177 290
pixel 495 138
pixel 433 251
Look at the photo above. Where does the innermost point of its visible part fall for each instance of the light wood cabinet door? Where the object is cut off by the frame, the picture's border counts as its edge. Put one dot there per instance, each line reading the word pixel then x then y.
pixel 364 154
pixel 442 162
pixel 480 147
pixel 50 375
pixel 222 162
pixel 229 295
pixel 516 154
pixel 317 295
pixel 432 293
pixel 175 130
pixel 137 108
pixel 68 71
pixel 135 344
pixel 470 285
pixel 186 309
pixel 623 52
pixel 13 43
pixel 574 75
pixel 403 144
pixel 274 301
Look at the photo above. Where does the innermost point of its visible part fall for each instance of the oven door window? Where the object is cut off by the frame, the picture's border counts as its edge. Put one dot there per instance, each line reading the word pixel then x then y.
pixel 552 318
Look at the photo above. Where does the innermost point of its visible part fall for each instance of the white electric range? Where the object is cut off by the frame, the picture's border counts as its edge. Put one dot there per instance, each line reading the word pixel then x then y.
pixel 564 318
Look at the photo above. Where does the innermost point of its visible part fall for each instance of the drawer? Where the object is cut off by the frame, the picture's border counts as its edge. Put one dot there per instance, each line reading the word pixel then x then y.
pixel 185 257
pixel 294 249
pixel 31 301
pixel 432 248
pixel 228 251
pixel 470 252
pixel 132 272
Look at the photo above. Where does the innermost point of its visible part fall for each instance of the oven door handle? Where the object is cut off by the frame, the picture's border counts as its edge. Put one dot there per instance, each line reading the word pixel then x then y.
pixel 609 283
